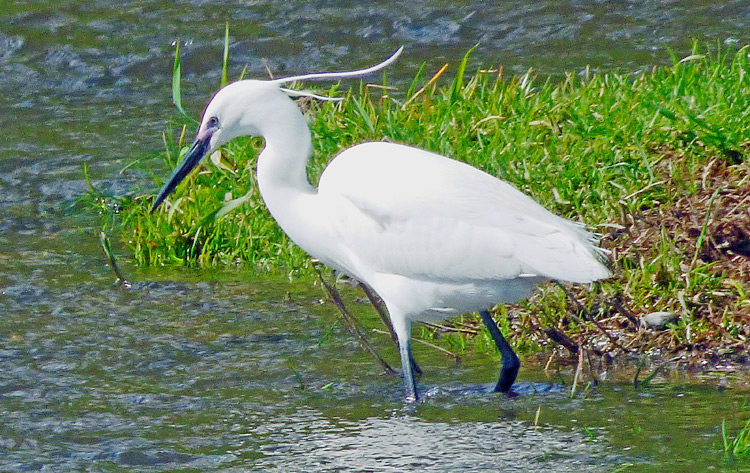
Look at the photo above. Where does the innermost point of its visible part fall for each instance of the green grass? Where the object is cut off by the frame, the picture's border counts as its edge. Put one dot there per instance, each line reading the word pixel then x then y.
pixel 739 446
pixel 610 150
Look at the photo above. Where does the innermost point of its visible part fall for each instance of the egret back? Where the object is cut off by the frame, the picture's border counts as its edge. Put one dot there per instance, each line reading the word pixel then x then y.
pixel 406 211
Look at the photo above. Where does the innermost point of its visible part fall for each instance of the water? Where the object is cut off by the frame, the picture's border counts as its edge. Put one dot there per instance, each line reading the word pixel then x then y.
pixel 223 371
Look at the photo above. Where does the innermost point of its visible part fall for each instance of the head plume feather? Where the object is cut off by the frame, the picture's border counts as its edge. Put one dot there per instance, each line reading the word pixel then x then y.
pixel 341 74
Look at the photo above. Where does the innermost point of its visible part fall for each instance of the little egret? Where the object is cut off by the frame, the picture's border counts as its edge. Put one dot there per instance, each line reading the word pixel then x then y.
pixel 434 237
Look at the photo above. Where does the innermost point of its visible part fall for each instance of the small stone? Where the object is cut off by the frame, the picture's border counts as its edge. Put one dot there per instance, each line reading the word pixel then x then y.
pixel 658 320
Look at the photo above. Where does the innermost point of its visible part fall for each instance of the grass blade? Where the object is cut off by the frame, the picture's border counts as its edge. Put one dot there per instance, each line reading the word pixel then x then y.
pixel 107 249
pixel 363 114
pixel 458 82
pixel 176 77
pixel 176 80
pixel 225 61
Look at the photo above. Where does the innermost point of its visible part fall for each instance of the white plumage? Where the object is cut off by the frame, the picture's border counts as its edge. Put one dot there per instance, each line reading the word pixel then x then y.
pixel 434 237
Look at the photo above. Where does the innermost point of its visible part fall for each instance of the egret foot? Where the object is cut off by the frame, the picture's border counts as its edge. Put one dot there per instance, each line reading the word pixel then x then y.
pixel 510 362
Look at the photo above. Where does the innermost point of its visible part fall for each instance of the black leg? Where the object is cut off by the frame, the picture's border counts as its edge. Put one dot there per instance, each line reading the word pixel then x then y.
pixel 510 362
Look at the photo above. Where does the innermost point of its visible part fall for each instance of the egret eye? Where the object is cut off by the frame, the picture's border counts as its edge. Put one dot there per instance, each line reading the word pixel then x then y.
pixel 213 122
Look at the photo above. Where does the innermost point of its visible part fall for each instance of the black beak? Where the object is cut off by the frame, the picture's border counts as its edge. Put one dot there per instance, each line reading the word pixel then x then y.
pixel 192 158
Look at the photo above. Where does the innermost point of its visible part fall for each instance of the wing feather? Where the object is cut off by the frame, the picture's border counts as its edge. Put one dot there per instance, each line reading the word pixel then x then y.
pixel 406 211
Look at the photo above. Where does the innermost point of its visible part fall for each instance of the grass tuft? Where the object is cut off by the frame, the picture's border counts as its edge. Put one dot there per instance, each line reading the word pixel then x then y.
pixel 739 446
pixel 655 162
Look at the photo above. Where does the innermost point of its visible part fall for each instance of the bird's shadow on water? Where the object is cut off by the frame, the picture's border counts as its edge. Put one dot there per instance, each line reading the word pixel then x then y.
pixel 456 395
pixel 472 391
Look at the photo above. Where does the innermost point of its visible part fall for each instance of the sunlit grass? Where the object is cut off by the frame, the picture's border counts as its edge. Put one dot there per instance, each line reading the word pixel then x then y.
pixel 739 445
pixel 603 149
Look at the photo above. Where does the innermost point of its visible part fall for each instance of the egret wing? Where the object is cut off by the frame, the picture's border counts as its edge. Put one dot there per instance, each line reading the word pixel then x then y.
pixel 406 211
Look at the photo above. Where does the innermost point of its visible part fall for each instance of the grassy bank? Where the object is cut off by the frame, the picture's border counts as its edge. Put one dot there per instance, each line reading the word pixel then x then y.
pixel 655 162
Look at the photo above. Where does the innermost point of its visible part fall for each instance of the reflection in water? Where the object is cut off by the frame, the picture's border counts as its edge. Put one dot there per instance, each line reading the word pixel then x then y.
pixel 197 374
pixel 96 375
pixel 407 443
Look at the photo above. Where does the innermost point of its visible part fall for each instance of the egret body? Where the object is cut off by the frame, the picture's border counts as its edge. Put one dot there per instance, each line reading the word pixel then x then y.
pixel 434 237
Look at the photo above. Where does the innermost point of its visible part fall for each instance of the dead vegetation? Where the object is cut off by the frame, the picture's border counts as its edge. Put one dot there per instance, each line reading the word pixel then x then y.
pixel 694 246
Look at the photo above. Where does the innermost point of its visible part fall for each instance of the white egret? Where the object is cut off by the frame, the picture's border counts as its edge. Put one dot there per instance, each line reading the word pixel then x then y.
pixel 434 237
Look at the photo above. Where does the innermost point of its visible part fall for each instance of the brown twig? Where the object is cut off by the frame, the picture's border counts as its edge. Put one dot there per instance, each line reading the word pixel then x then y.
pixel 588 317
pixel 376 302
pixel 431 345
pixel 350 324
pixel 562 339
pixel 446 328
pixel 622 310
pixel 579 371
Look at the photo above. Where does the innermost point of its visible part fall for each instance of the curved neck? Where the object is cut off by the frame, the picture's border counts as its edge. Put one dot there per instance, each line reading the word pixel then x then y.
pixel 282 165
pixel 282 176
pixel 283 184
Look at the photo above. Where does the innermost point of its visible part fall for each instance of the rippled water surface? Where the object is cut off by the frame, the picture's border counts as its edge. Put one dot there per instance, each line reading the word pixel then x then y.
pixel 223 371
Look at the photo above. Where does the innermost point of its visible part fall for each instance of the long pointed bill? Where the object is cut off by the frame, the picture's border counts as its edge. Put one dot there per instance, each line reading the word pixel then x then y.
pixel 192 158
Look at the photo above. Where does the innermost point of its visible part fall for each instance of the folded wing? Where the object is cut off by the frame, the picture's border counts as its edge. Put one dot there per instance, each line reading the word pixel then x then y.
pixel 401 210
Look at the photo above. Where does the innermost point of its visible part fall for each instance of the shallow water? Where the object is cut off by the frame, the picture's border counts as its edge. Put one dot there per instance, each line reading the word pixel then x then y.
pixel 196 371
pixel 223 371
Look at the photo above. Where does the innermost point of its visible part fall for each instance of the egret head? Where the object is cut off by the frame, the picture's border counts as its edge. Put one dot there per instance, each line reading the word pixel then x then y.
pixel 236 110
pixel 239 109
pixel 244 108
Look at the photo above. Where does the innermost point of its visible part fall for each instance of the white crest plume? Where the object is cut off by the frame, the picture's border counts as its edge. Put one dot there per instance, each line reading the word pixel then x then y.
pixel 305 93
pixel 342 74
